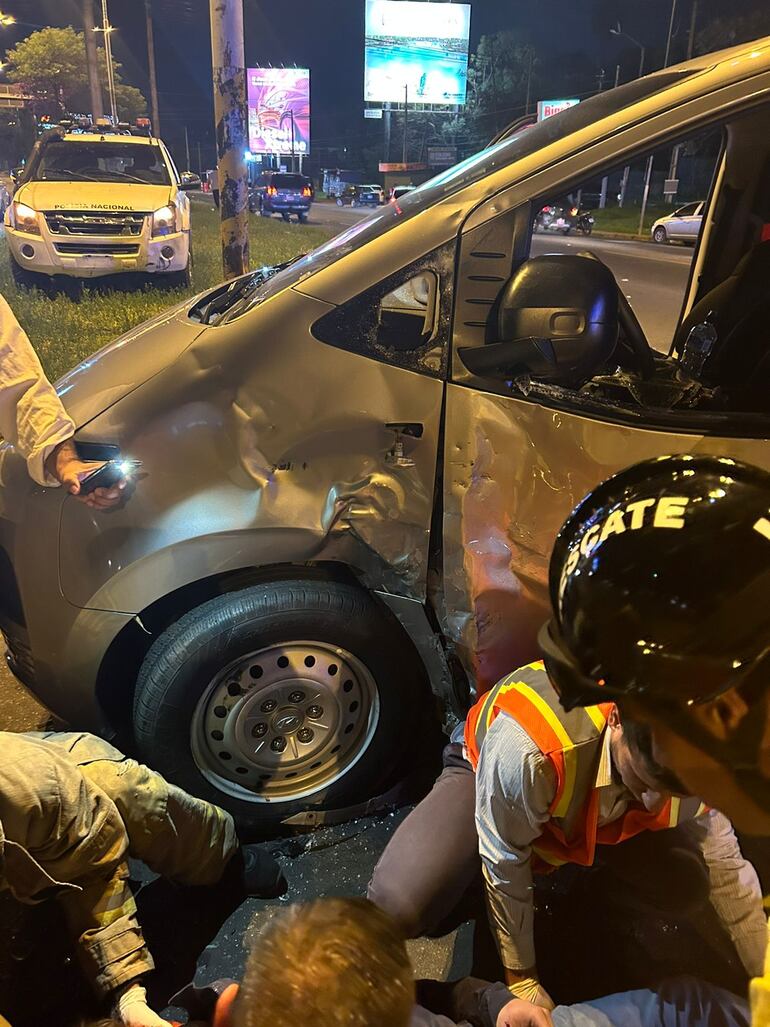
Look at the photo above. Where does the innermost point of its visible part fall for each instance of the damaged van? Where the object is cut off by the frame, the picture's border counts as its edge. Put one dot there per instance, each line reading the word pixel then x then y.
pixel 353 467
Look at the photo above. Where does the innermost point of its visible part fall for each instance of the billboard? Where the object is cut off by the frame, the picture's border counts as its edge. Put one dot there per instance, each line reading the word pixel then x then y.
pixel 276 96
pixel 418 45
pixel 547 108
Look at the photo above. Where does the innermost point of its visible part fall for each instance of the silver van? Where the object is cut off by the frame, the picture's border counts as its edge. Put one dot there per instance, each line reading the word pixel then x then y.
pixel 354 466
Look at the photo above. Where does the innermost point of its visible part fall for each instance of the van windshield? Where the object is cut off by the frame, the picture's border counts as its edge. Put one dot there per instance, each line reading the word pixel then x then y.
pixel 499 155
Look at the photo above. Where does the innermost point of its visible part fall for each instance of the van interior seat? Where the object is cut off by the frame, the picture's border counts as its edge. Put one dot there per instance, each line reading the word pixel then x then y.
pixel 739 309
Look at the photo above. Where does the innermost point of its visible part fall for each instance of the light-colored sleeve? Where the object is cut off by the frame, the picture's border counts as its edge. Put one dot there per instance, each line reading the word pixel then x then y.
pixel 32 417
pixel 735 893
pixel 515 786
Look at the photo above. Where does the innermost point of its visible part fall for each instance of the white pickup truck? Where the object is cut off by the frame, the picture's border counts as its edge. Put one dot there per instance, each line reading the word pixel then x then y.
pixel 94 204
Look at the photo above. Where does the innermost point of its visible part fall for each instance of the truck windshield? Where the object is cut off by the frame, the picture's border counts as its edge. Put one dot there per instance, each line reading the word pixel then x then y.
pixel 73 161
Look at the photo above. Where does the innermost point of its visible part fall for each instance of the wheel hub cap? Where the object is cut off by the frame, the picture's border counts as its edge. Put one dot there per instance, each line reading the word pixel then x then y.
pixel 284 722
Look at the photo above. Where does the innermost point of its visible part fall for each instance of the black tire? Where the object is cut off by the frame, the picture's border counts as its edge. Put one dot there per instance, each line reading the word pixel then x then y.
pixel 660 235
pixel 285 215
pixel 178 279
pixel 302 218
pixel 190 659
pixel 25 279
pixel 340 201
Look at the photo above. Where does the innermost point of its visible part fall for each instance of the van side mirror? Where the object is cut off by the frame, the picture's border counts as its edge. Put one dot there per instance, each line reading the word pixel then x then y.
pixel 557 321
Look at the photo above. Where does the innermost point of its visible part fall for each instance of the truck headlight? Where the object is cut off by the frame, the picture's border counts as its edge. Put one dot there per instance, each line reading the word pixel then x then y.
pixel 24 218
pixel 164 220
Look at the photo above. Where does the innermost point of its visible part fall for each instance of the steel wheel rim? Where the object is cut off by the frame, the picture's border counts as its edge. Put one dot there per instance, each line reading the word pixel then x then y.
pixel 284 722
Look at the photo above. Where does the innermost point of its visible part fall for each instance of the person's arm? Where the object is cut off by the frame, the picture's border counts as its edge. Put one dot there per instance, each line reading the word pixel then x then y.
pixel 34 421
pixel 32 417
pixel 735 893
pixel 515 786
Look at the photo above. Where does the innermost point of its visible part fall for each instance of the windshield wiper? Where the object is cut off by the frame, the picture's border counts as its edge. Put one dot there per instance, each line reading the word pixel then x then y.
pixel 66 171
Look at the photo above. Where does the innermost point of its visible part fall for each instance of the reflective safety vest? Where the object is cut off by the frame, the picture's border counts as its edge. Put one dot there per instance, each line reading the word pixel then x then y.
pixel 572 744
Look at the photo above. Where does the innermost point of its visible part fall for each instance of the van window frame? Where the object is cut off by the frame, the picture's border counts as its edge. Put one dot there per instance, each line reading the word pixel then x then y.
pixel 725 424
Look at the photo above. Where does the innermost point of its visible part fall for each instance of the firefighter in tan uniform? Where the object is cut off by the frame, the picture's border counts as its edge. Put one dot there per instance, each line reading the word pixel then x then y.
pixel 72 810
pixel 670 618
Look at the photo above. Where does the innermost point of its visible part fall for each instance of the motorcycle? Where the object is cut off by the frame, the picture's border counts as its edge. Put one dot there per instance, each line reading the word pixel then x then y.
pixel 564 220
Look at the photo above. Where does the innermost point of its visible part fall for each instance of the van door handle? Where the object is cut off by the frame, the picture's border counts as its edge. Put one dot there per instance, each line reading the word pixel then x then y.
pixel 413 429
pixel 396 455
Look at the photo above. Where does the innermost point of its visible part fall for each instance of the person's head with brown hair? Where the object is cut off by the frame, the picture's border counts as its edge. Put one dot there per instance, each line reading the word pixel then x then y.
pixel 330 963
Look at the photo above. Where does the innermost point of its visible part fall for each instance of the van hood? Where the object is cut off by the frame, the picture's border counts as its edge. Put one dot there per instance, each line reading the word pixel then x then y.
pixel 112 196
pixel 123 365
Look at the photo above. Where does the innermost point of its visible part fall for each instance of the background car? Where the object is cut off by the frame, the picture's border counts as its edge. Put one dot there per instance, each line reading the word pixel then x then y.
pixel 189 180
pixel 361 196
pixel 284 193
pixel 400 190
pixel 681 226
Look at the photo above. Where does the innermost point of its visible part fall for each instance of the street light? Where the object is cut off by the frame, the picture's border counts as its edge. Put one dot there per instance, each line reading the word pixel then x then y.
pixel 6 20
pixel 107 29
pixel 618 31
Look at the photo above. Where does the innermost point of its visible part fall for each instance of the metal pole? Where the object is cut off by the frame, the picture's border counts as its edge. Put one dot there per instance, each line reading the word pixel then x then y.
pixel 153 77
pixel 670 33
pixel 228 62
pixel 200 162
pixel 647 178
pixel 107 29
pixel 186 149
pixel 691 37
pixel 293 162
pixel 92 60
pixel 386 131
pixel 406 120
pixel 624 185
pixel 641 61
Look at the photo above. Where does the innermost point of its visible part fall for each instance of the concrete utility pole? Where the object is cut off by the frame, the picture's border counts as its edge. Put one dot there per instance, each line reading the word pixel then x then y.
pixel 229 67
pixel 92 62
pixel 187 149
pixel 151 68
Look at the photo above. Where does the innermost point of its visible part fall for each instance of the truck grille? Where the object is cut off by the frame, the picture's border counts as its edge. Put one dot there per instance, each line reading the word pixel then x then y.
pixel 87 222
pixel 114 248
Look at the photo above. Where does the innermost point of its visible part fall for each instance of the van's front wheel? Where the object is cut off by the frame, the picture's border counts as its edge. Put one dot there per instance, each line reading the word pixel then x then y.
pixel 280 698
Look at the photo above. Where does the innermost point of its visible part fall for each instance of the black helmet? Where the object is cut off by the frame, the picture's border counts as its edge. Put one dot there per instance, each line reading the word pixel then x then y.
pixel 660 586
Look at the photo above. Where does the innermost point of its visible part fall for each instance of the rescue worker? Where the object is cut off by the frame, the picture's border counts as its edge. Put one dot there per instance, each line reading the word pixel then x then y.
pixel 34 421
pixel 660 588
pixel 529 787
pixel 72 810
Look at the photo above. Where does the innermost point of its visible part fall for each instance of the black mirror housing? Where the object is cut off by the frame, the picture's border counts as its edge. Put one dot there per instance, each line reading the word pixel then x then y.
pixel 557 321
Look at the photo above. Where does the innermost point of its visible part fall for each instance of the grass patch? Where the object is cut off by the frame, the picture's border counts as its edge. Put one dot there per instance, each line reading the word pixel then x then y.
pixel 64 332
pixel 625 220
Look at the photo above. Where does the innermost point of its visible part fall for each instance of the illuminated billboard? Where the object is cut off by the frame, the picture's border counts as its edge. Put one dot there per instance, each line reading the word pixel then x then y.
pixel 547 108
pixel 276 98
pixel 416 49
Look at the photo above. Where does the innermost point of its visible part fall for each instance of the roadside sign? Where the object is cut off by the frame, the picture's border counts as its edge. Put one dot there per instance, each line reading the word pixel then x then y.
pixel 373 112
pixel 403 167
pixel 442 156
pixel 547 108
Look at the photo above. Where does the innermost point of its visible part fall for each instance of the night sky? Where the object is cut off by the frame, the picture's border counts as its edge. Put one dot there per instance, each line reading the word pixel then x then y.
pixel 327 37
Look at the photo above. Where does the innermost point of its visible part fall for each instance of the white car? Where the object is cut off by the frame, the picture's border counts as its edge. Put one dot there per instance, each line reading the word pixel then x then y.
pixel 681 226
pixel 401 190
pixel 91 205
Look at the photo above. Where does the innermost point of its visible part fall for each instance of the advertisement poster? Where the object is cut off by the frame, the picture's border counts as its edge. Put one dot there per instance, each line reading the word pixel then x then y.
pixel 547 108
pixel 276 98
pixel 416 49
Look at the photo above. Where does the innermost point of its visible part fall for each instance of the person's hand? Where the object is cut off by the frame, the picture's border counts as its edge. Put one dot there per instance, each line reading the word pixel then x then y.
pixel 519 1013
pixel 132 1010
pixel 65 465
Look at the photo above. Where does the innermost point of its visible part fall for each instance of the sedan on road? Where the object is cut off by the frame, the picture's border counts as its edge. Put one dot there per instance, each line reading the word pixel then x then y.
pixel 681 226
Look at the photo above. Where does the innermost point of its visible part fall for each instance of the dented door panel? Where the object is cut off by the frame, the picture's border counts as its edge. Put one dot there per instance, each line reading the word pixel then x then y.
pixel 513 472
